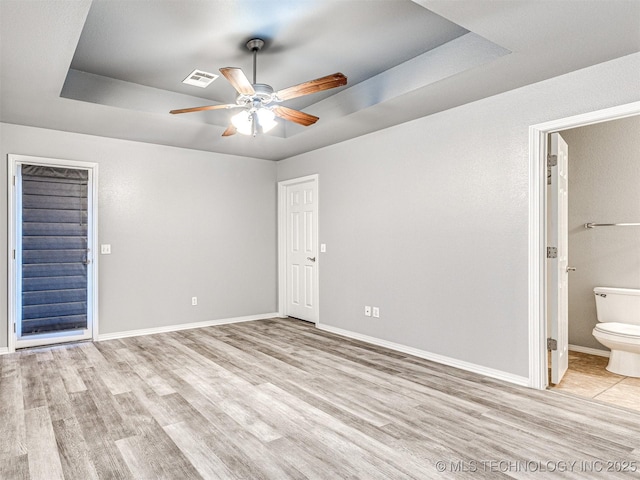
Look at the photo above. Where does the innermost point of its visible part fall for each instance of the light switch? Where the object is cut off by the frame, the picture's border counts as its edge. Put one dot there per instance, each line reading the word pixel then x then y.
pixel 105 249
pixel 323 247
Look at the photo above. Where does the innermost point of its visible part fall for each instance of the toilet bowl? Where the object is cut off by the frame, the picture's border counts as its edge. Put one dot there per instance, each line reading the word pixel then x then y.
pixel 618 329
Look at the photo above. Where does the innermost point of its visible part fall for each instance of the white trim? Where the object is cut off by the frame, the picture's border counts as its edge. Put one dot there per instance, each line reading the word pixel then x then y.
pixel 282 244
pixel 12 229
pixel 282 250
pixel 96 256
pixel 4 350
pixel 434 357
pixel 538 376
pixel 537 243
pixel 11 263
pixel 590 351
pixel 184 326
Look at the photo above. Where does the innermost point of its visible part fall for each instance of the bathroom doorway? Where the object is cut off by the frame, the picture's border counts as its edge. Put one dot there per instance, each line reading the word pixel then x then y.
pixel 538 292
pixel 604 171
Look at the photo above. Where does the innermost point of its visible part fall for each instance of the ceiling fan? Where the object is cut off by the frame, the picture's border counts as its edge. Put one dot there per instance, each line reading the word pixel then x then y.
pixel 260 103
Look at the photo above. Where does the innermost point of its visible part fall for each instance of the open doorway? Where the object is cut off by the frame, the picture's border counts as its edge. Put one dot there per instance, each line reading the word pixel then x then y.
pixel 603 174
pixel 538 292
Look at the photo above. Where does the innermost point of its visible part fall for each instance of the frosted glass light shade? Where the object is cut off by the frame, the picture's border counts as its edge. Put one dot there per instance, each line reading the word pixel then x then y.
pixel 243 121
pixel 267 119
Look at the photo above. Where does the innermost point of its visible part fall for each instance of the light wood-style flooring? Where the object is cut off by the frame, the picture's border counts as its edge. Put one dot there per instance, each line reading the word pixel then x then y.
pixel 280 399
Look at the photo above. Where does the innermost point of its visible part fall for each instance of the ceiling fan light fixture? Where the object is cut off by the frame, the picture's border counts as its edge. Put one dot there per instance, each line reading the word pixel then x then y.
pixel 243 121
pixel 256 99
pixel 267 119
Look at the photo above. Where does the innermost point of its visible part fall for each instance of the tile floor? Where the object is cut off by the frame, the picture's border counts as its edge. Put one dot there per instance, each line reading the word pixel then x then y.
pixel 587 377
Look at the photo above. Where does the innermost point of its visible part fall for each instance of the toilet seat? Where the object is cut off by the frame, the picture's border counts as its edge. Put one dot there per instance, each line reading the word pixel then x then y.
pixel 619 329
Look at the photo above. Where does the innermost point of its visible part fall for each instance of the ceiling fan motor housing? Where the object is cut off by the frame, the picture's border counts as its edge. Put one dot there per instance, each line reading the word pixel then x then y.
pixel 263 94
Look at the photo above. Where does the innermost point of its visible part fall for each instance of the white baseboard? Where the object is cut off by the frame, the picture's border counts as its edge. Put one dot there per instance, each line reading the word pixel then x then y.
pixel 590 351
pixel 434 357
pixel 4 350
pixel 183 326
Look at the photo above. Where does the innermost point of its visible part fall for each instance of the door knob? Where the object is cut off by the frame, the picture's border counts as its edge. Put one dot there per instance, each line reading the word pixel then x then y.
pixel 571 269
pixel 311 259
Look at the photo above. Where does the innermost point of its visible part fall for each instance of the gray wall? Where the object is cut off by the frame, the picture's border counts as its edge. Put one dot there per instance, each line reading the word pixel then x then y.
pixel 181 223
pixel 604 187
pixel 429 220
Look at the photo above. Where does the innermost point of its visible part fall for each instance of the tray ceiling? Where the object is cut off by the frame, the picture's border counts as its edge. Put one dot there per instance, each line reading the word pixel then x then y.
pixel 114 68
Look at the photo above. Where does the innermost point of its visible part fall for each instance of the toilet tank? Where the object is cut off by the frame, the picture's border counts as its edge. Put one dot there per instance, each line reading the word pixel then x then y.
pixel 620 305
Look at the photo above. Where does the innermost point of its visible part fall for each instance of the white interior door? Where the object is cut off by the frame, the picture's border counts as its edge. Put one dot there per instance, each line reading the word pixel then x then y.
pixel 557 267
pixel 302 249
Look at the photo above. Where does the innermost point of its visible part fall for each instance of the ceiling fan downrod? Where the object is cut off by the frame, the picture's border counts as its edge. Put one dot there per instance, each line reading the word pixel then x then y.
pixel 255 45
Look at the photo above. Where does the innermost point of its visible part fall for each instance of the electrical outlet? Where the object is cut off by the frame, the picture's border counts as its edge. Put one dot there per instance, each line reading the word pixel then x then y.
pixel 194 301
pixel 376 312
pixel 367 310
pixel 323 247
pixel 105 249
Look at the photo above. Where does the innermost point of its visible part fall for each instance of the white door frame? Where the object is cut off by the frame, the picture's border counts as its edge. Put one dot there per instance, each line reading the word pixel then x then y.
pixel 13 229
pixel 538 377
pixel 282 241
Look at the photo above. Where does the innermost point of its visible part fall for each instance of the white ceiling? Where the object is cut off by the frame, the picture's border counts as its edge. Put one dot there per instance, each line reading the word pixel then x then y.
pixel 114 68
pixel 158 45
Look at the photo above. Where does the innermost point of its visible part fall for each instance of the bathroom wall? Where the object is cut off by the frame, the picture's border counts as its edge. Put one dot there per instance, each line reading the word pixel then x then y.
pixel 604 187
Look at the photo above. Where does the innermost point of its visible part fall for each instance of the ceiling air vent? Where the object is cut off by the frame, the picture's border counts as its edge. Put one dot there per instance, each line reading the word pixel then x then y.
pixel 200 78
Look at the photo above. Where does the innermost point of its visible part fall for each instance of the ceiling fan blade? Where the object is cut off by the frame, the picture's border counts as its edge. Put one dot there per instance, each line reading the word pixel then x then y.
pixel 231 130
pixel 238 80
pixel 312 86
pixel 295 116
pixel 208 107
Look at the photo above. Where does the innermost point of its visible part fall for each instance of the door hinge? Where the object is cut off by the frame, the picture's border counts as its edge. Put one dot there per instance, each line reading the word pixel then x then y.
pixel 552 252
pixel 14 328
pixel 14 253
pixel 552 344
pixel 552 161
pixel 14 180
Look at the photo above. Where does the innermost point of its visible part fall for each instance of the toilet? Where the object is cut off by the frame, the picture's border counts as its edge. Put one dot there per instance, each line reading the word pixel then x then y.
pixel 618 312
